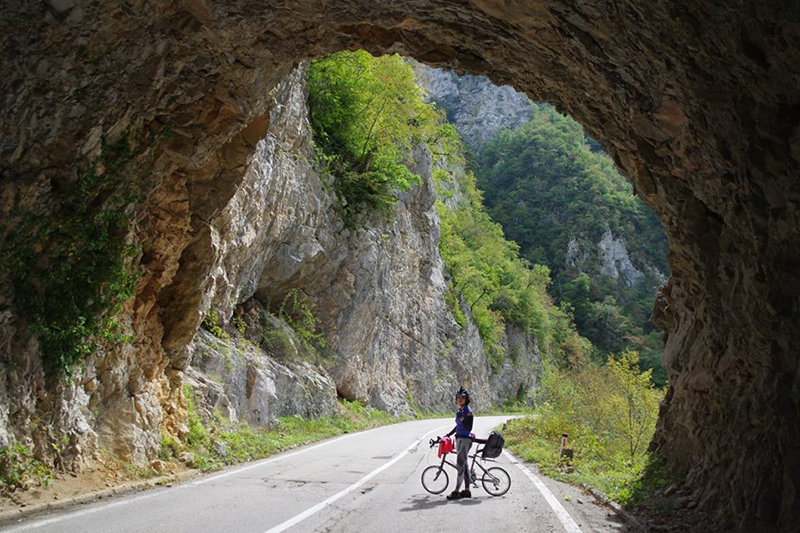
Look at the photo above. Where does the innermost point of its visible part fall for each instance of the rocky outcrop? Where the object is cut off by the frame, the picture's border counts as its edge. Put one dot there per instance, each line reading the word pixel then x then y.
pixel 610 257
pixel 238 381
pixel 696 102
pixel 477 107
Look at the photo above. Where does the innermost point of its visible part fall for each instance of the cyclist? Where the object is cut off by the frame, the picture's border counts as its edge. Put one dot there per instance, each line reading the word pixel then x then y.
pixel 463 429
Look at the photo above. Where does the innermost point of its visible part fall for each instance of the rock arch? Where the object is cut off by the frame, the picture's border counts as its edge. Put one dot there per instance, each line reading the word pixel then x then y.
pixel 698 103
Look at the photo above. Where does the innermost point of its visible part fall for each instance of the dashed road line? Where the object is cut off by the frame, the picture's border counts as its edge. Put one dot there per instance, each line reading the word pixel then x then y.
pixel 325 503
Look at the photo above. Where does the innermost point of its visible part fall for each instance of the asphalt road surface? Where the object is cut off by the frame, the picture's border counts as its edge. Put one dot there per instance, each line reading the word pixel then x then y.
pixel 360 482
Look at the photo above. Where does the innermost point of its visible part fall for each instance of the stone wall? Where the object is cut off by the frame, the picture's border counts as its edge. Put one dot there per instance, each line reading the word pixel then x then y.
pixel 697 102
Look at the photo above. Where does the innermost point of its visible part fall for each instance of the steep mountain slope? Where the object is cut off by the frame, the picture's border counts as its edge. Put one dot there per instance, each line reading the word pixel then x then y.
pixel 562 200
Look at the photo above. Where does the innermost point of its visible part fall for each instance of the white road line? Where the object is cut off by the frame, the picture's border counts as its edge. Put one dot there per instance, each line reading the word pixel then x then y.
pixel 321 505
pixel 563 516
pixel 271 460
pixel 84 512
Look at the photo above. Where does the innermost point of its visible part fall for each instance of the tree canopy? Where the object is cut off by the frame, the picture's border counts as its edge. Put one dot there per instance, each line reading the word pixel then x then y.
pixel 367 113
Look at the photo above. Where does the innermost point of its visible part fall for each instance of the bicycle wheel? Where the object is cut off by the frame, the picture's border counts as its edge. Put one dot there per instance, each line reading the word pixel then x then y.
pixel 496 481
pixel 435 479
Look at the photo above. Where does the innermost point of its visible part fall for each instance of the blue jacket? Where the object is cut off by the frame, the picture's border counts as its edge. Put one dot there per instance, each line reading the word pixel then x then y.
pixel 464 421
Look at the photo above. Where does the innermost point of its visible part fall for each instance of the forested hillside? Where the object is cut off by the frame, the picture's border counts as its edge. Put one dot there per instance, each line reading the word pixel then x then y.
pixel 563 201
pixel 560 198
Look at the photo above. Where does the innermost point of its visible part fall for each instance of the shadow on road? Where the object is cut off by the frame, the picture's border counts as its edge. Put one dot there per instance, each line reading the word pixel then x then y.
pixel 423 503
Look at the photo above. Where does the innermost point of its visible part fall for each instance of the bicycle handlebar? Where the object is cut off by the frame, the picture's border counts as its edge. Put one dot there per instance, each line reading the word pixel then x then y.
pixel 433 442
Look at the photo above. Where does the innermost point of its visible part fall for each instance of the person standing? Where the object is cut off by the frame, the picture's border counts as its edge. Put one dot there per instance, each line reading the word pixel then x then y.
pixel 464 420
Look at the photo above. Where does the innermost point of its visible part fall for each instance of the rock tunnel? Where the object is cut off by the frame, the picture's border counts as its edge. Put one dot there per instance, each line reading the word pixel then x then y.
pixel 698 103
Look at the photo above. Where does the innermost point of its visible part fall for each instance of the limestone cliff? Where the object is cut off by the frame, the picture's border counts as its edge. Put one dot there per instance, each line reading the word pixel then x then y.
pixel 477 107
pixel 379 290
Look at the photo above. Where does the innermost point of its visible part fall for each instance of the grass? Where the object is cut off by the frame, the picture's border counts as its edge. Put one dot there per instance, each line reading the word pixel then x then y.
pixel 510 408
pixel 616 477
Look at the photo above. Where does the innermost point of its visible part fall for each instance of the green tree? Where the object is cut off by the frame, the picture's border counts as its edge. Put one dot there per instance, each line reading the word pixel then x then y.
pixel 637 401
pixel 367 113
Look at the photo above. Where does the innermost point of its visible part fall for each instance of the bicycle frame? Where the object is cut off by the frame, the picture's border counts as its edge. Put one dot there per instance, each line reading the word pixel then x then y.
pixel 474 458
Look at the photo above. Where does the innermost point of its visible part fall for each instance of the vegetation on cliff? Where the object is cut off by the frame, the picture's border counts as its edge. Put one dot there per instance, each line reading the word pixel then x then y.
pixel 71 267
pixel 496 285
pixel 366 113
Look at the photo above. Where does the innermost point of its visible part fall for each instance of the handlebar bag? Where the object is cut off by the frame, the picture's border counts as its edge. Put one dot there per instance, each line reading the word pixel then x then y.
pixel 445 446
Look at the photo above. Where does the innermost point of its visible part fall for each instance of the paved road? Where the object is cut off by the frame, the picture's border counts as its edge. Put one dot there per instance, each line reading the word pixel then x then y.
pixel 362 482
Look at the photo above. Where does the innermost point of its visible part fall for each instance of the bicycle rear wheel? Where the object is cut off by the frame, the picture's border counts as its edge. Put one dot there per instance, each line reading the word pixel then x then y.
pixel 496 481
pixel 435 479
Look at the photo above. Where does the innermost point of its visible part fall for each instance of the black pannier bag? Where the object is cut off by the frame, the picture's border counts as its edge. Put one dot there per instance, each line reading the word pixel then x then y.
pixel 494 446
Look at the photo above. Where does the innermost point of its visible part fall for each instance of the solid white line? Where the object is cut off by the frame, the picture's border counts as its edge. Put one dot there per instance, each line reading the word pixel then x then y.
pixel 321 505
pixel 563 516
pixel 84 512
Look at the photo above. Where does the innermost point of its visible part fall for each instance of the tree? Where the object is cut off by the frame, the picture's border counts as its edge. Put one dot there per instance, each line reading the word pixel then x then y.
pixel 367 113
pixel 636 417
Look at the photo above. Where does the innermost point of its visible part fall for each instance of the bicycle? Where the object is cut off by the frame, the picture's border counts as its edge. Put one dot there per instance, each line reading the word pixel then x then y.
pixel 495 480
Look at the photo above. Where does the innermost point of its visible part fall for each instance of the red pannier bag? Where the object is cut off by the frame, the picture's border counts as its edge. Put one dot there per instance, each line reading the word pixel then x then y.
pixel 445 446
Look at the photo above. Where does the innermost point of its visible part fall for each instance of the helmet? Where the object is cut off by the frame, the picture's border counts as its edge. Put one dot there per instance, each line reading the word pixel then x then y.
pixel 463 393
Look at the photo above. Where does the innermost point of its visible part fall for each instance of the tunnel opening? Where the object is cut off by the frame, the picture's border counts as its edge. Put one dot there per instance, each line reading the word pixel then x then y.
pixel 718 166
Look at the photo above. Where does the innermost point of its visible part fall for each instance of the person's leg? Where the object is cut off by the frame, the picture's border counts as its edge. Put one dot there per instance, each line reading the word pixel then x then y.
pixel 465 445
pixel 463 463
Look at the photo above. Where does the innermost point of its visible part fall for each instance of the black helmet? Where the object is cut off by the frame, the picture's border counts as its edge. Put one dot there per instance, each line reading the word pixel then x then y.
pixel 463 393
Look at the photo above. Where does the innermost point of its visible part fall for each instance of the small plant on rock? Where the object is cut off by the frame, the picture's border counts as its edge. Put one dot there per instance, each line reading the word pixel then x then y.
pixel 20 470
pixel 299 314
pixel 211 324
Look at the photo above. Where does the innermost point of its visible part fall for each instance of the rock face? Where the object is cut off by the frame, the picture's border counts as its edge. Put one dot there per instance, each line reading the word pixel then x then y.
pixel 241 382
pixel 697 102
pixel 615 260
pixel 477 107
pixel 378 290
pixel 612 260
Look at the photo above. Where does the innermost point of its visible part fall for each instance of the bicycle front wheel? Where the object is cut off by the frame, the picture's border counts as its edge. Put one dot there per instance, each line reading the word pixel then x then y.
pixel 496 481
pixel 435 479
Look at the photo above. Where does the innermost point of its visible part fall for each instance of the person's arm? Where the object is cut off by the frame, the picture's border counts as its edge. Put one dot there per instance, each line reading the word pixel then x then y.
pixel 451 431
pixel 468 420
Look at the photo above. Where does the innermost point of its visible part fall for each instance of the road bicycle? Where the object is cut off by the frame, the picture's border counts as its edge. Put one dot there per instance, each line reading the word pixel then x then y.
pixel 495 480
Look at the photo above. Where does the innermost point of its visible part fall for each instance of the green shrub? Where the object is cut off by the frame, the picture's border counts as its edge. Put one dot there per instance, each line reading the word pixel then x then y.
pixel 20 470
pixel 240 325
pixel 609 413
pixel 211 324
pixel 296 311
